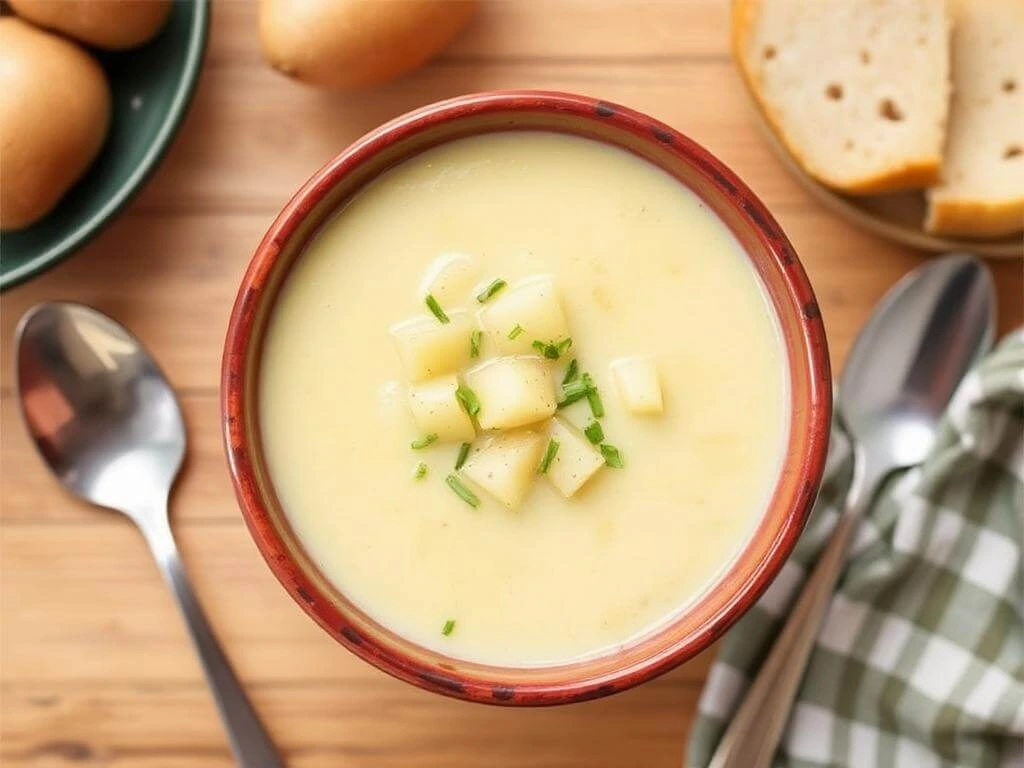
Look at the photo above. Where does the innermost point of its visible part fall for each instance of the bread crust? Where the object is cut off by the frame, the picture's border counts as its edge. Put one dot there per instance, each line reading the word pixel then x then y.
pixel 977 218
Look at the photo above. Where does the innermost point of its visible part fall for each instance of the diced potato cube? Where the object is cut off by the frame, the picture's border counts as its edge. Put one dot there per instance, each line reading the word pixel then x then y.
pixel 576 461
pixel 636 378
pixel 428 347
pixel 513 391
pixel 450 278
pixel 506 465
pixel 534 306
pixel 437 411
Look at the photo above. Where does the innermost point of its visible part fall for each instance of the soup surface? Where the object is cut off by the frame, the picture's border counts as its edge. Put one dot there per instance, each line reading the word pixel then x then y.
pixel 641 268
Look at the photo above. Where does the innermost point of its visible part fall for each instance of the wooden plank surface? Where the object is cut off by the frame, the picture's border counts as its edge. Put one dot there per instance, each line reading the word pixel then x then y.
pixel 95 668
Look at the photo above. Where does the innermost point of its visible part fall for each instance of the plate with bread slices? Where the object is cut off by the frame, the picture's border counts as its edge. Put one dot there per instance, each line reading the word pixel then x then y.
pixel 905 116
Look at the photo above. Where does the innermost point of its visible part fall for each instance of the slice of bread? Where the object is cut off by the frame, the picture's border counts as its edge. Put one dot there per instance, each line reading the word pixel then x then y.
pixel 858 91
pixel 982 189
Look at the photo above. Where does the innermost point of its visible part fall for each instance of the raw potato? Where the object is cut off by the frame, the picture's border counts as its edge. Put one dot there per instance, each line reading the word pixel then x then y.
pixel 356 43
pixel 982 189
pixel 857 91
pixel 576 461
pixel 513 391
pixel 506 465
pixel 437 411
pixel 430 348
pixel 54 116
pixel 450 279
pixel 534 306
pixel 636 379
pixel 110 24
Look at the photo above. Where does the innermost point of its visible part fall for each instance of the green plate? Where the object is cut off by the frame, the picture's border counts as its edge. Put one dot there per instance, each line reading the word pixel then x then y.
pixel 151 87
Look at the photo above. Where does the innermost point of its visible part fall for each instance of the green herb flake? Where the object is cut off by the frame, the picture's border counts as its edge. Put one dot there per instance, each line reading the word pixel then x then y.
pixel 594 432
pixel 571 372
pixel 421 471
pixel 552 350
pixel 612 457
pixel 549 456
pixel 435 308
pixel 593 397
pixel 488 293
pixel 424 441
pixel 516 332
pixel 462 491
pixel 463 455
pixel 474 343
pixel 448 628
pixel 572 392
pixel 468 398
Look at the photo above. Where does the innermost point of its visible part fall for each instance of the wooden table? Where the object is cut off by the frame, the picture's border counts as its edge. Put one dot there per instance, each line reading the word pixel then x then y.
pixel 96 667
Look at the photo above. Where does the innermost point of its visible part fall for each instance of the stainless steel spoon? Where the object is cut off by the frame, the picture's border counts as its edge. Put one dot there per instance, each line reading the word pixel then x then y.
pixel 108 426
pixel 926 333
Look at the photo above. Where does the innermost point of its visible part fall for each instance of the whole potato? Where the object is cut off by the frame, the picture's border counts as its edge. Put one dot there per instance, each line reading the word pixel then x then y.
pixel 111 24
pixel 356 43
pixel 54 115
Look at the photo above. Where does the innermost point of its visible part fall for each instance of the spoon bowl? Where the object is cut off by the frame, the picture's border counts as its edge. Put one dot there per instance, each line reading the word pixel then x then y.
pixel 108 426
pixel 98 408
pixel 895 385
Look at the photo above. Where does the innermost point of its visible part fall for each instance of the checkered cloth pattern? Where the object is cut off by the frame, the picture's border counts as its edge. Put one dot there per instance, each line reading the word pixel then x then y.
pixel 920 660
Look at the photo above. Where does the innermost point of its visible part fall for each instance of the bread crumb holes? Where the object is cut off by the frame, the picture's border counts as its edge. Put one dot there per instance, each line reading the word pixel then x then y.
pixel 887 108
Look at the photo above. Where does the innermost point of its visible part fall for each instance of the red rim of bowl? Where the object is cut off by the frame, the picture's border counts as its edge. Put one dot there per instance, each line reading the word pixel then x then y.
pixel 737 587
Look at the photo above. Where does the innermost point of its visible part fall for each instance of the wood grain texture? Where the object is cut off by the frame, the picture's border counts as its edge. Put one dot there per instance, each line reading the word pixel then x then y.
pixel 95 667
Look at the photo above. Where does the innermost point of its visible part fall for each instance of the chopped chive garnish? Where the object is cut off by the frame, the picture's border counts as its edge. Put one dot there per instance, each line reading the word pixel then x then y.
pixel 434 307
pixel 549 456
pixel 487 293
pixel 448 627
pixel 421 471
pixel 424 441
pixel 572 372
pixel 516 332
pixel 463 455
pixel 468 398
pixel 573 391
pixel 462 491
pixel 474 343
pixel 552 350
pixel 594 432
pixel 611 456
pixel 596 406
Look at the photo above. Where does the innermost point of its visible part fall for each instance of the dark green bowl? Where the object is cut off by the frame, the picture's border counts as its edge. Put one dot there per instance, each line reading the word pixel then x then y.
pixel 151 87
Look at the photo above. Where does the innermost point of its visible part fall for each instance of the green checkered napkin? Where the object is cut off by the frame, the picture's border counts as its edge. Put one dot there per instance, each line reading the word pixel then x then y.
pixel 920 661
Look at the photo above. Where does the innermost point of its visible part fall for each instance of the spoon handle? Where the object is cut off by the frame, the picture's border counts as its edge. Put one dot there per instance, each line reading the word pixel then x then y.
pixel 753 735
pixel 250 742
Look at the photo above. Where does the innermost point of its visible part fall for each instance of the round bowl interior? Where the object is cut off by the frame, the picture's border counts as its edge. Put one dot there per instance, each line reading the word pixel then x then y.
pixel 151 88
pixel 784 281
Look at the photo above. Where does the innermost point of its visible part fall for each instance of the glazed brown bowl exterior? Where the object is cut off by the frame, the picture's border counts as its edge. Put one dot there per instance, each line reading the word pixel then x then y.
pixel 771 255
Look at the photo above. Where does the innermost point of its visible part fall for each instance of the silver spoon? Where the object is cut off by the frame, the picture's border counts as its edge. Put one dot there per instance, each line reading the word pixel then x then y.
pixel 926 333
pixel 108 426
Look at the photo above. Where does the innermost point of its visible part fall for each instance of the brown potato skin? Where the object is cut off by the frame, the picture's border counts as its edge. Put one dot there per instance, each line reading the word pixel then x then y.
pixel 349 44
pixel 54 116
pixel 111 24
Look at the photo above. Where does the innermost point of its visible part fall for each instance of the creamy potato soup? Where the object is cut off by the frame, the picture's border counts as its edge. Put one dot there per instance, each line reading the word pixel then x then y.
pixel 522 398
